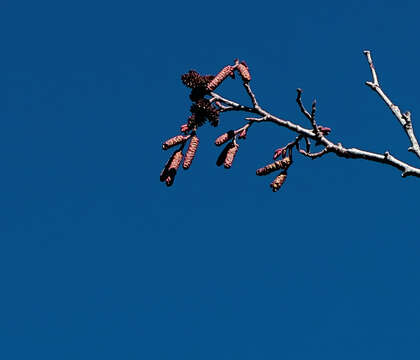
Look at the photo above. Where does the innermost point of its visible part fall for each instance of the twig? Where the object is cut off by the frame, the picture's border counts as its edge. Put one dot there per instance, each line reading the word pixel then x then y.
pixel 252 96
pixel 315 155
pixel 338 149
pixel 301 106
pixel 403 118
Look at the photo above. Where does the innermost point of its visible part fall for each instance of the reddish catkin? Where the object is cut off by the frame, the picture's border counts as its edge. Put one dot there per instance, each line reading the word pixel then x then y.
pixel 222 75
pixel 230 156
pixel 280 164
pixel 173 167
pixel 244 71
pixel 176 161
pixel 224 137
pixel 278 181
pixel 164 172
pixel 173 141
pixel 222 156
pixel 192 148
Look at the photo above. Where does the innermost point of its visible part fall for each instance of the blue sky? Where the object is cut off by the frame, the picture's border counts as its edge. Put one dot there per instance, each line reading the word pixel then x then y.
pixel 99 259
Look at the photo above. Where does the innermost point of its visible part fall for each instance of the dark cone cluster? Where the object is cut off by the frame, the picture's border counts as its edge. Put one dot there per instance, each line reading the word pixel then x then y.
pixel 193 79
pixel 202 109
pixel 192 149
pixel 280 164
pixel 278 181
pixel 224 137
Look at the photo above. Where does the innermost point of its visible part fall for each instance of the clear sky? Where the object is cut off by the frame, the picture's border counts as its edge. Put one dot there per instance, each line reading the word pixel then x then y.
pixel 99 260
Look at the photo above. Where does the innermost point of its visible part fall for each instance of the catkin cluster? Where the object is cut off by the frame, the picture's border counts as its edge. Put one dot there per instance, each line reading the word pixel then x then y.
pixel 202 109
pixel 282 164
pixel 171 167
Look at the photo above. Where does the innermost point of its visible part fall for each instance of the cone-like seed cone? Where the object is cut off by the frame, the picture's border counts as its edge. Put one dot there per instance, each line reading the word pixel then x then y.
pixel 224 137
pixel 173 141
pixel 280 164
pixel 193 79
pixel 244 71
pixel 202 109
pixel 278 181
pixel 192 148
pixel 222 75
pixel 230 156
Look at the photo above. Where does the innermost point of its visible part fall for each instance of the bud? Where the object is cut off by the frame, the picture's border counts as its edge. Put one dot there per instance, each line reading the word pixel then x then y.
pixel 242 135
pixel 325 130
pixel 278 181
pixel 192 148
pixel 173 141
pixel 280 164
pixel 230 156
pixel 279 151
pixel 222 75
pixel 224 137
pixel 244 71
pixel 184 128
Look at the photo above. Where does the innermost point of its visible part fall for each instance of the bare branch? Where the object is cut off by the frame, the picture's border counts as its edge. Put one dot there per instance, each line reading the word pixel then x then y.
pixel 404 119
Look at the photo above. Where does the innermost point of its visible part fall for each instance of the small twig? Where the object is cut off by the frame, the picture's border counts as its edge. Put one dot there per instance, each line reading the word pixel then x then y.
pixel 315 155
pixel 372 68
pixel 404 119
pixel 252 96
pixel 252 119
pixel 308 144
pixel 232 105
pixel 313 121
pixel 301 106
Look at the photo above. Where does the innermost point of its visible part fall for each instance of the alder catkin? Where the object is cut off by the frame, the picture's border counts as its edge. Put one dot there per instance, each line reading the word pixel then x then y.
pixel 278 181
pixel 224 137
pixel 176 160
pixel 222 75
pixel 230 156
pixel 280 164
pixel 173 167
pixel 164 172
pixel 173 141
pixel 222 156
pixel 244 71
pixel 192 148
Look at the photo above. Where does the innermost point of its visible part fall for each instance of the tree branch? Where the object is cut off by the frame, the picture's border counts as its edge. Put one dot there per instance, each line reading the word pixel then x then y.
pixel 203 109
pixel 403 118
